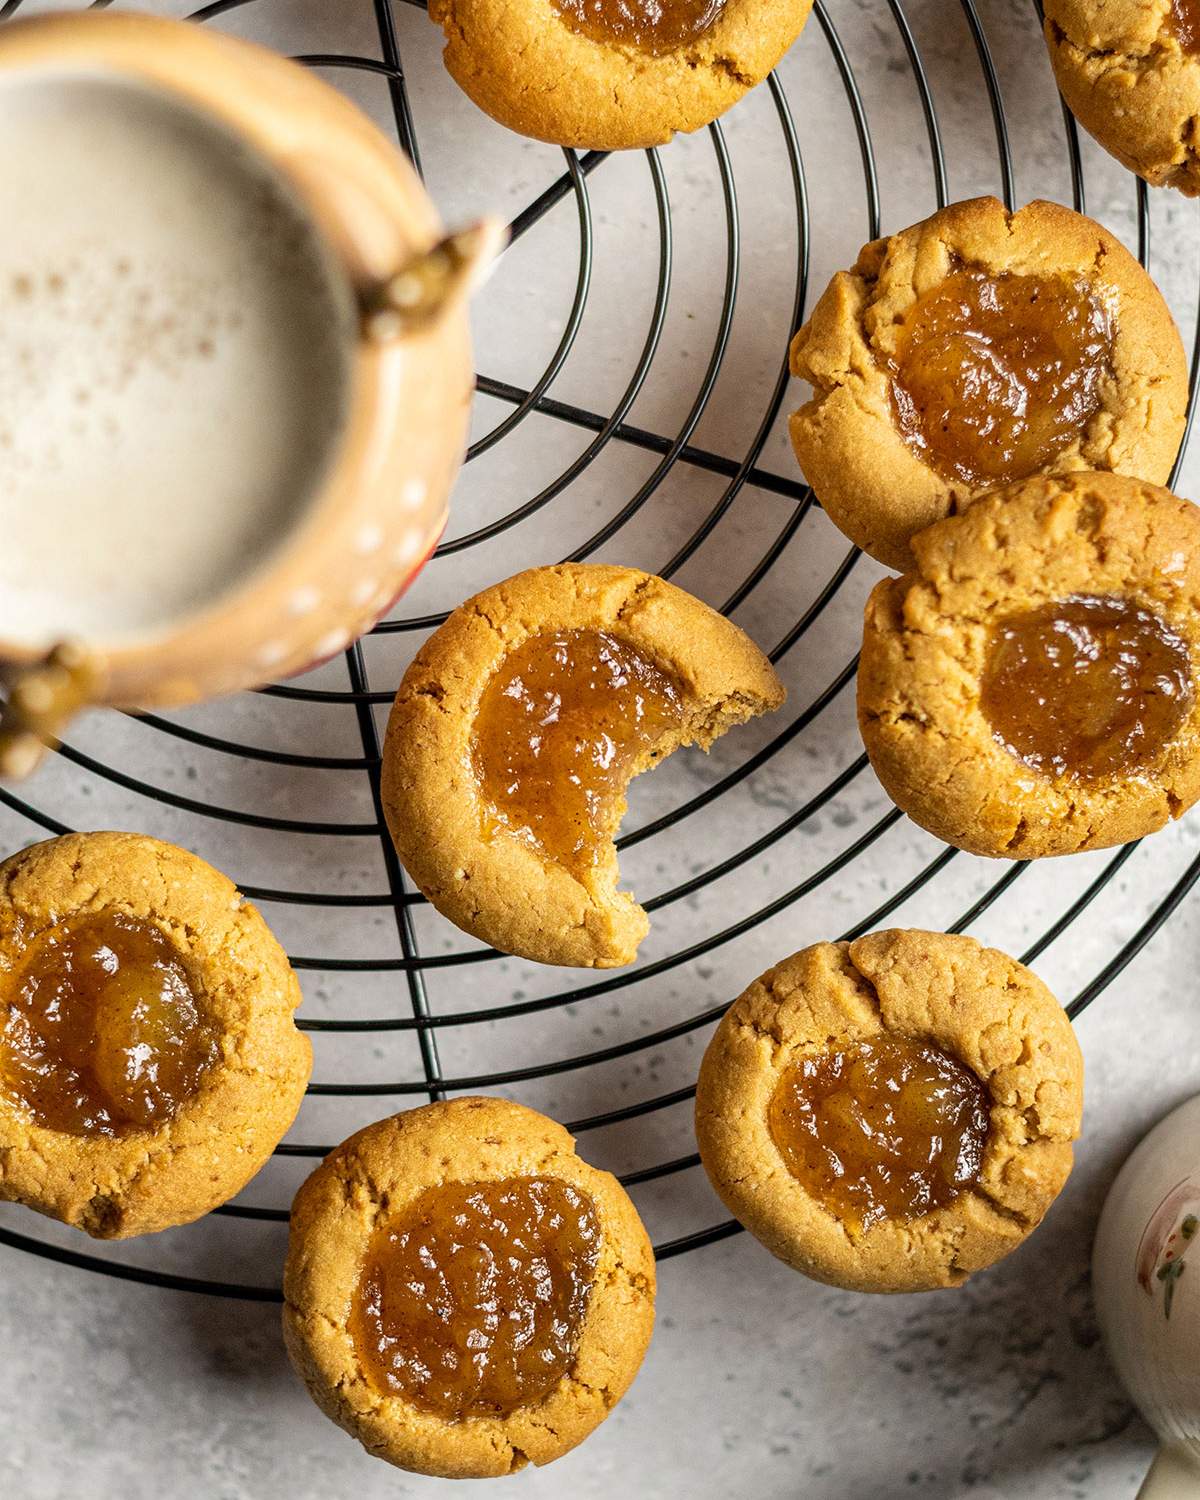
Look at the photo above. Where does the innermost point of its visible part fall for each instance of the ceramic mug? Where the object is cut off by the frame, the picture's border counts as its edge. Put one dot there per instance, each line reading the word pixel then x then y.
pixel 1146 1278
pixel 381 503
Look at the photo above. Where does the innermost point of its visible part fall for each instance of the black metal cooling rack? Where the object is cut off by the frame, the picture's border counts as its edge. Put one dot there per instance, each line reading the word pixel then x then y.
pixel 672 452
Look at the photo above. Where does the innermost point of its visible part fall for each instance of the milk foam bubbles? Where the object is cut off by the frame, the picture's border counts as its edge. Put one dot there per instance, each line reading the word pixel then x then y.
pixel 175 349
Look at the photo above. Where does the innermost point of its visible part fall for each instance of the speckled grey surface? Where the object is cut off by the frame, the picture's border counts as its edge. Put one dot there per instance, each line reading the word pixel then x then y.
pixel 758 1382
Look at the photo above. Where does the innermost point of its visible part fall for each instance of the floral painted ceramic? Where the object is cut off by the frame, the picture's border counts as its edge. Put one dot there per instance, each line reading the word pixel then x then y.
pixel 383 504
pixel 1162 1254
pixel 1146 1276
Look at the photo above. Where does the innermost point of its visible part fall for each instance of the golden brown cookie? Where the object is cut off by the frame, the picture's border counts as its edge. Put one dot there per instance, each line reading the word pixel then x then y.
pixel 517 729
pixel 1129 71
pixel 608 76
pixel 801 1103
pixel 149 1060
pixel 1030 688
pixel 464 1295
pixel 974 349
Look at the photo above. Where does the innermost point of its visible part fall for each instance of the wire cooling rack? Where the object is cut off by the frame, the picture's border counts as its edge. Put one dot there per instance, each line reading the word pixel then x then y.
pixel 695 264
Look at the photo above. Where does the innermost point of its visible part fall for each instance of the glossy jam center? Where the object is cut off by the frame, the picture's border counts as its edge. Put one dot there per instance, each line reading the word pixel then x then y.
pixel 1087 687
pixel 654 26
pixel 995 375
pixel 561 727
pixel 1183 23
pixel 471 1301
pixel 102 1031
pixel 885 1129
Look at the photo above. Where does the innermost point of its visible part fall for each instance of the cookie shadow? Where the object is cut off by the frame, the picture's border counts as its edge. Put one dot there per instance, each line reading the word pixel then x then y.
pixel 234 1343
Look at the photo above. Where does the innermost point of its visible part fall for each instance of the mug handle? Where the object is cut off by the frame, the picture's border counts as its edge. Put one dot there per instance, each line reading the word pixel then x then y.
pixel 41 699
pixel 1174 1475
pixel 427 287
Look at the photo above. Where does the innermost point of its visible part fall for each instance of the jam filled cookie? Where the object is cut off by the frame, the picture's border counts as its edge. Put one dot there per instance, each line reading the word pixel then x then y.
pixel 1129 71
pixel 605 75
pixel 463 1294
pixel 1030 688
pixel 517 729
pixel 891 1114
pixel 974 349
pixel 149 1061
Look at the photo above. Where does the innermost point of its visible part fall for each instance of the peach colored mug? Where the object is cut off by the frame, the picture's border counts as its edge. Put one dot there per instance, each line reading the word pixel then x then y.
pixel 380 502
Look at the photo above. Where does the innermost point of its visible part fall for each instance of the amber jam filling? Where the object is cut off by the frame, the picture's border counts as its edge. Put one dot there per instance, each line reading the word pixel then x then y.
pixel 885 1129
pixel 1086 687
pixel 563 724
pixel 472 1299
pixel 654 26
pixel 1183 23
pixel 993 376
pixel 102 1032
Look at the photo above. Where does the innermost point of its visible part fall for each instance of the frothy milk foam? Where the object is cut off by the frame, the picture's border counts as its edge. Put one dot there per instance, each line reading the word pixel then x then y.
pixel 174 360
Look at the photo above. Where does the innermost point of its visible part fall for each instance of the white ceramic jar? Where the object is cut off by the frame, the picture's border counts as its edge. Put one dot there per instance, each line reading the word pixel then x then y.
pixel 1146 1279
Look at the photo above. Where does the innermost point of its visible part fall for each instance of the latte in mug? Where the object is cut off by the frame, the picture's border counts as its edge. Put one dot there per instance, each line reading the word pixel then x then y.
pixel 235 369
pixel 175 359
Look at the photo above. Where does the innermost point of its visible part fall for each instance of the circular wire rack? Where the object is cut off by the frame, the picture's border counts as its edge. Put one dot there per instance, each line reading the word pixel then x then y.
pixel 693 920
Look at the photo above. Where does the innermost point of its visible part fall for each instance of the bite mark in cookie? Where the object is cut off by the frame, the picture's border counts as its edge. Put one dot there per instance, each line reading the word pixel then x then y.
pixel 517 729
